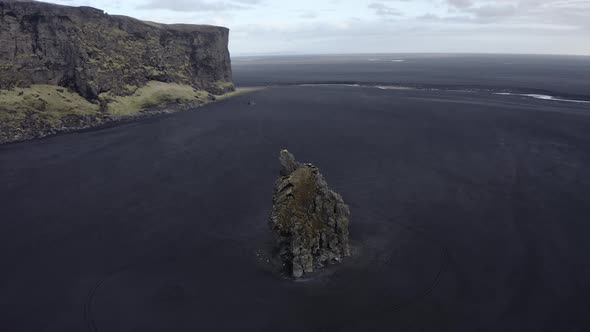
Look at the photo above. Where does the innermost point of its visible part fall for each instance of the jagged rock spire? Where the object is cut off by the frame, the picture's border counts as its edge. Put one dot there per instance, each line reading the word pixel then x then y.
pixel 309 221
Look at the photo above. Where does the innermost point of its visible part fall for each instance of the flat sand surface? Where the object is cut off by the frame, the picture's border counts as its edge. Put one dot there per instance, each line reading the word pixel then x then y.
pixel 470 212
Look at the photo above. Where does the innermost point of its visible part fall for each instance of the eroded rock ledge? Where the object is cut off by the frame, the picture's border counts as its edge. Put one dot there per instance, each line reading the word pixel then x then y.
pixel 309 221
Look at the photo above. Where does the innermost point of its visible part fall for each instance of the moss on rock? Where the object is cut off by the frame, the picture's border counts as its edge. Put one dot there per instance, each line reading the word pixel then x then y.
pixel 42 110
pixel 153 94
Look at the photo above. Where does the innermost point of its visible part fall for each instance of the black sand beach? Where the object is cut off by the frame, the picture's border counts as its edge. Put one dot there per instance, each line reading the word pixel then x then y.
pixel 470 212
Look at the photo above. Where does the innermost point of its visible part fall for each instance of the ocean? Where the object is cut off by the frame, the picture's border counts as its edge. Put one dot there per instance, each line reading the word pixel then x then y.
pixel 566 77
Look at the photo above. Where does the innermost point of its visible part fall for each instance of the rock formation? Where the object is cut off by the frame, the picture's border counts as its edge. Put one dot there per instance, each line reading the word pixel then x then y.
pixel 50 55
pixel 91 52
pixel 309 221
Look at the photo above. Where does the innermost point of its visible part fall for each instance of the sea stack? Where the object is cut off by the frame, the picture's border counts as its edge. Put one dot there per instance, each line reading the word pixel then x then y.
pixel 309 221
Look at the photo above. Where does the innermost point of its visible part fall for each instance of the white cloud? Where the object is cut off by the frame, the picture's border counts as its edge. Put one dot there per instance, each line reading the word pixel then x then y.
pixel 355 26
pixel 199 5
pixel 384 10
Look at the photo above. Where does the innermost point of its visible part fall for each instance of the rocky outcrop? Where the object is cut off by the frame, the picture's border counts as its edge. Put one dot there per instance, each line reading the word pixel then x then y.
pixel 309 221
pixel 122 68
pixel 91 52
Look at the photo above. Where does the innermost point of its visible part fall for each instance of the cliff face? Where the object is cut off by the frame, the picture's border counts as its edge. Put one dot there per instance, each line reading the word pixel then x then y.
pixel 66 68
pixel 90 52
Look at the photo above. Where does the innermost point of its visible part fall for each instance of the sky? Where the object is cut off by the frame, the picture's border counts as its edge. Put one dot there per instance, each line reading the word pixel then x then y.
pixel 261 27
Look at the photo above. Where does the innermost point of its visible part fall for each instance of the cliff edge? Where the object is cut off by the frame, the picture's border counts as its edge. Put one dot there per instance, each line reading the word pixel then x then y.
pixel 63 67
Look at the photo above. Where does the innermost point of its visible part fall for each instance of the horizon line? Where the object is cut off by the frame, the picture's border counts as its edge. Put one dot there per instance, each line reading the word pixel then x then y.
pixel 269 54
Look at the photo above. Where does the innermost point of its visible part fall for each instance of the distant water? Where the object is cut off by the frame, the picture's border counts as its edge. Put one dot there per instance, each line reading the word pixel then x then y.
pixel 400 87
pixel 553 78
pixel 545 97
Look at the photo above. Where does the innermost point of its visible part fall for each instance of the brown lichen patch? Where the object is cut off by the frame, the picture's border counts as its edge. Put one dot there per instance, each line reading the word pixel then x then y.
pixel 300 187
pixel 303 180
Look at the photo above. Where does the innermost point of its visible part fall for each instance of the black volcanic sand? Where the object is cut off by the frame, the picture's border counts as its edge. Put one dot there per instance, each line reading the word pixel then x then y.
pixel 470 212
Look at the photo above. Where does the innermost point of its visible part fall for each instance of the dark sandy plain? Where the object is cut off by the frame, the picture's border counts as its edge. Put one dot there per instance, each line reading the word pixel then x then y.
pixel 470 210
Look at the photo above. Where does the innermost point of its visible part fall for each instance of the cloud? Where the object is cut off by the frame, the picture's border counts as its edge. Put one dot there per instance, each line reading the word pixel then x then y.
pixel 384 10
pixel 308 15
pixel 488 11
pixel 332 26
pixel 559 12
pixel 200 5
pixel 458 34
pixel 460 3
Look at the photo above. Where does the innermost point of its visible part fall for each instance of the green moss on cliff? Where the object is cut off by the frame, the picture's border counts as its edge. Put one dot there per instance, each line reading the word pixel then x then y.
pixel 42 110
pixel 154 94
pixel 46 100
pixel 51 103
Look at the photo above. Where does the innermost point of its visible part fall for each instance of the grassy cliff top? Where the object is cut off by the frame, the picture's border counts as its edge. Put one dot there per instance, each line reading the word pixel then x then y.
pixel 180 26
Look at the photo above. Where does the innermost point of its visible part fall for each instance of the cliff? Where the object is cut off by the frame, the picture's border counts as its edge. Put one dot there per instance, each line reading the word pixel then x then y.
pixel 91 52
pixel 104 59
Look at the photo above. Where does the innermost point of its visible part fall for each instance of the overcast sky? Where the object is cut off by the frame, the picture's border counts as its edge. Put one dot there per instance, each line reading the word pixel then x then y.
pixel 377 26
